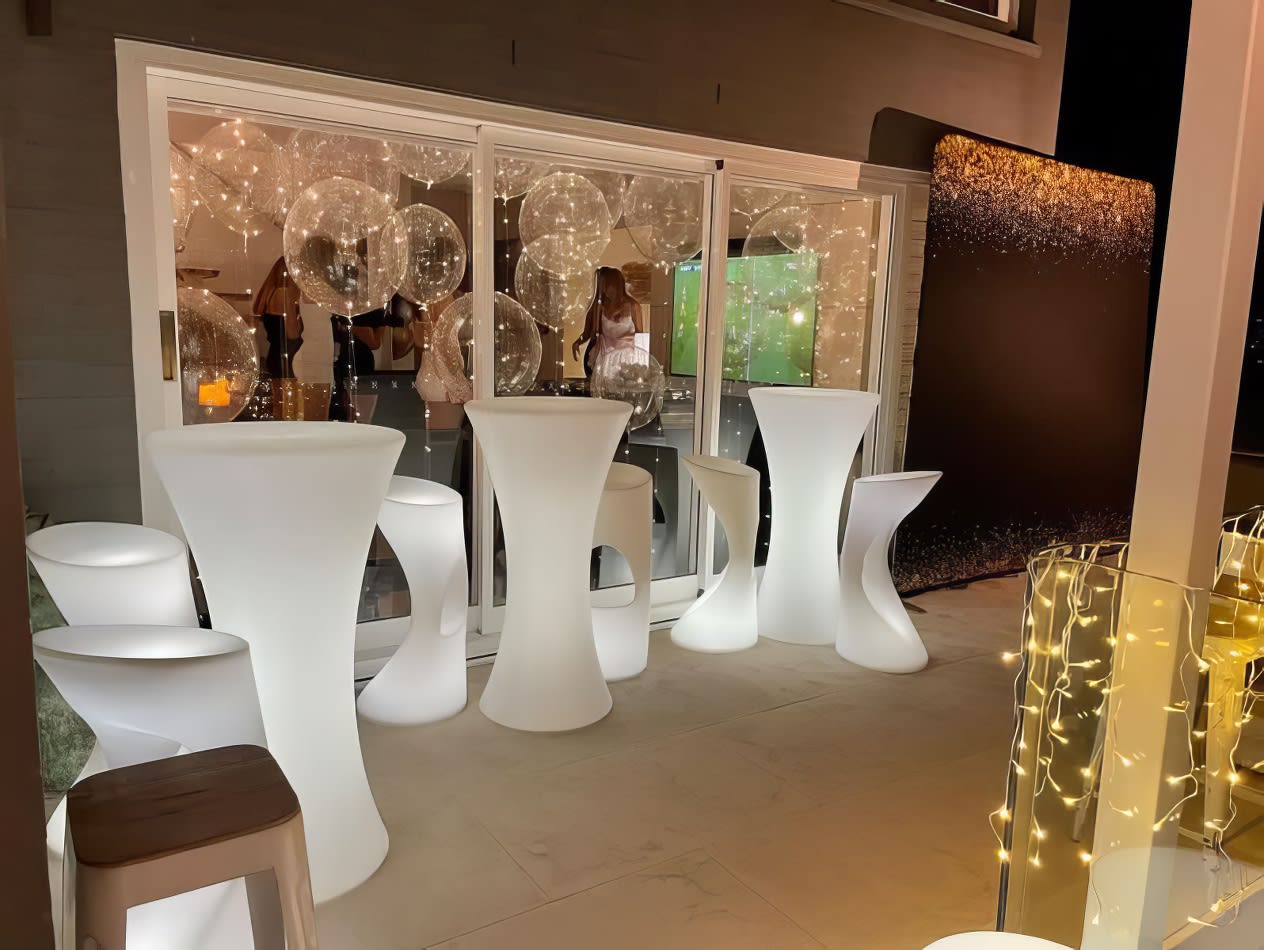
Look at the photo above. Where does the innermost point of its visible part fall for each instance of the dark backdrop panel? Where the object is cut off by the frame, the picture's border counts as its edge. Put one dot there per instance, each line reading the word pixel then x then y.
pixel 1028 379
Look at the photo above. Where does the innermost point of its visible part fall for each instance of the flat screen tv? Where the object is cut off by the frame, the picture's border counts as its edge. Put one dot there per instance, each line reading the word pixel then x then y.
pixel 769 319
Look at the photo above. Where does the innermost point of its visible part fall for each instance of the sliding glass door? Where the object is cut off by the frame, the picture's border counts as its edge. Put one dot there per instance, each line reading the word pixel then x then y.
pixel 598 267
pixel 325 258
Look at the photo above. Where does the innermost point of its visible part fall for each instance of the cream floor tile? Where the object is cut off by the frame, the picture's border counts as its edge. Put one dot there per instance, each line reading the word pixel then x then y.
pixel 890 868
pixel 687 903
pixel 444 875
pixel 586 823
pixel 831 746
pixel 831 791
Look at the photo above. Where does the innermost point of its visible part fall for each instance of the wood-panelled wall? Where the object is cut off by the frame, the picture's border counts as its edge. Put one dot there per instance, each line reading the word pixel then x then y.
pixel 802 74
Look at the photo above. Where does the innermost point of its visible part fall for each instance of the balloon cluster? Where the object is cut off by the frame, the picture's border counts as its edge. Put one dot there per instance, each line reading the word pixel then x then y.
pixel 564 224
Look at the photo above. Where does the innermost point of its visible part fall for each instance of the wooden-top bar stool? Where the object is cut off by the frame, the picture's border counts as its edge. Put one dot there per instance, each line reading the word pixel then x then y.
pixel 150 831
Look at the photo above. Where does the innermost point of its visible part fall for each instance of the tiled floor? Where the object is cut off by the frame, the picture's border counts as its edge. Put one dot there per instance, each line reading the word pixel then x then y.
pixel 776 798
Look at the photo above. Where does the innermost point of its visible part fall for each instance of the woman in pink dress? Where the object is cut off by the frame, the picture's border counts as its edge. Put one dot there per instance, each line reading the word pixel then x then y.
pixel 613 320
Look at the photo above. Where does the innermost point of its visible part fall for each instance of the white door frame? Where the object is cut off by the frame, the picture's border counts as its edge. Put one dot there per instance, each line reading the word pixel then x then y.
pixel 151 76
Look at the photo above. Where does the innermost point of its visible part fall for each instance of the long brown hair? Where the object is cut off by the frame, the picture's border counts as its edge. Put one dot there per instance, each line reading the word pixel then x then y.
pixel 613 278
pixel 278 279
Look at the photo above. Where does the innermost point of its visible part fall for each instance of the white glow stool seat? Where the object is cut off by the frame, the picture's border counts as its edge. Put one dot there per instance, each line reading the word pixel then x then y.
pixel 548 458
pixel 148 692
pixel 108 573
pixel 280 517
pixel 993 940
pixel 425 680
pixel 724 619
pixel 811 437
pixel 874 630
pixel 625 522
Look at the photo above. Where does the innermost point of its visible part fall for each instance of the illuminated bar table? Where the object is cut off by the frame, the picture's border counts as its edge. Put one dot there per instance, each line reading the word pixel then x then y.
pixel 548 457
pixel 279 516
pixel 811 437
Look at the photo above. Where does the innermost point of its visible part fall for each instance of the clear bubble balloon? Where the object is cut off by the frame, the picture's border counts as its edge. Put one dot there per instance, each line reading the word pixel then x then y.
pixel 317 155
pixel 435 255
pixel 565 222
pixel 244 178
pixel 343 246
pixel 515 175
pixel 517 351
pixel 630 374
pixel 219 366
pixel 664 216
pixel 184 198
pixel 429 163
pixel 750 200
pixel 612 185
pixel 555 300
pixel 815 229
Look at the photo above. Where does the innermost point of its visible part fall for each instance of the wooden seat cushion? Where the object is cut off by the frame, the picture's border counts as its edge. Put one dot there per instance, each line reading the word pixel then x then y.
pixel 135 814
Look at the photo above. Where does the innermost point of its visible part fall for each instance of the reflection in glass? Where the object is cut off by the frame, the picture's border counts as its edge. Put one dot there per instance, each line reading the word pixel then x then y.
pixel 799 301
pixel 597 256
pixel 341 324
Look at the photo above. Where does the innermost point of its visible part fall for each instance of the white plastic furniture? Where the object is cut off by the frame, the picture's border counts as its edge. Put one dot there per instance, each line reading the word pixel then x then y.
pixel 105 573
pixel 150 692
pixel 425 680
pixel 548 458
pixel 874 630
pixel 723 619
pixel 625 522
pixel 992 940
pixel 811 437
pixel 111 573
pixel 280 516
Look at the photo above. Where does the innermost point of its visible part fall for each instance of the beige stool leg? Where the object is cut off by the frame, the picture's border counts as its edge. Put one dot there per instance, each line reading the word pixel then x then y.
pixel 295 886
pixel 100 909
pixel 266 920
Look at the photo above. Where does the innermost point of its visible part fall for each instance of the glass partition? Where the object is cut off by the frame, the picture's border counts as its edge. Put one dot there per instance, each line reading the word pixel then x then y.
pixel 802 268
pixel 598 271
pixel 313 265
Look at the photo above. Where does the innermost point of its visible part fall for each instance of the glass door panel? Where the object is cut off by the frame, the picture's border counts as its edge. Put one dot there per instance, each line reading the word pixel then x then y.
pixel 313 266
pixel 799 300
pixel 598 271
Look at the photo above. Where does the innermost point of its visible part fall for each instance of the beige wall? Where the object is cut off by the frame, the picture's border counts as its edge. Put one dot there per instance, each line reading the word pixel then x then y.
pixel 800 74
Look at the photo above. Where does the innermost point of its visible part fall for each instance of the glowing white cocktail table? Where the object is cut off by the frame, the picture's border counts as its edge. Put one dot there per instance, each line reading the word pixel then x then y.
pixel 279 516
pixel 811 437
pixel 548 458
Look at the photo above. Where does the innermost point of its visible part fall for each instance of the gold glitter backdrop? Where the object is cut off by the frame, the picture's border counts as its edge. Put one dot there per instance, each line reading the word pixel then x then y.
pixel 1016 202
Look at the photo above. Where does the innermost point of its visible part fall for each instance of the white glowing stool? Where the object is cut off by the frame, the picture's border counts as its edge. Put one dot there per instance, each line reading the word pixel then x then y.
pixel 149 692
pixel 874 630
pixel 811 437
pixel 280 516
pixel 110 573
pixel 723 619
pixel 625 522
pixel 106 573
pixel 548 458
pixel 993 940
pixel 425 680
